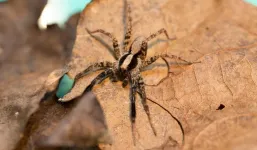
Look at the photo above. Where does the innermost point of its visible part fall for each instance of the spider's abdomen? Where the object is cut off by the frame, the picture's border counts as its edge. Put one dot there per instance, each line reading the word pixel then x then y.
pixel 137 45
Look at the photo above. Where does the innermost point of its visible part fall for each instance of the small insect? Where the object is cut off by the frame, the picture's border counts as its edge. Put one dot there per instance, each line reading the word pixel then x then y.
pixel 130 61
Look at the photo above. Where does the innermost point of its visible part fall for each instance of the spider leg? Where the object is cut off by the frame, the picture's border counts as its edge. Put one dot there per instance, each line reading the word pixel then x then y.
pixel 143 49
pixel 94 67
pixel 132 97
pixel 142 94
pixel 98 79
pixel 161 31
pixel 114 41
pixel 129 28
pixel 154 58
pixel 166 77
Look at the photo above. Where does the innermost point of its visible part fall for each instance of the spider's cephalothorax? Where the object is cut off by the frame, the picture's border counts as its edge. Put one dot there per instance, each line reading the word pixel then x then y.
pixel 130 60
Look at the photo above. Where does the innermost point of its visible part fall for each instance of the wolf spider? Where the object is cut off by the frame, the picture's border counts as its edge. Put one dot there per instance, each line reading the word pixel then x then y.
pixel 130 61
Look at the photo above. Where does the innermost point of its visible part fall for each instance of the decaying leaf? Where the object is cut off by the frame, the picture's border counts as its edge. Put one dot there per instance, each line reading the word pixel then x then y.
pixel 169 144
pixel 26 49
pixel 219 33
pixel 238 130
pixel 17 105
pixel 53 78
pixel 24 63
pixel 84 127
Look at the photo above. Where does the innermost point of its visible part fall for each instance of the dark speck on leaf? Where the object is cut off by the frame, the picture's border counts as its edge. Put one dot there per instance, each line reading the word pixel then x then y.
pixel 221 107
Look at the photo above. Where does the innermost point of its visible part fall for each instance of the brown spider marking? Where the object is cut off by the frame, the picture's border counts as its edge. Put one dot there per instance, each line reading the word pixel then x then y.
pixel 130 60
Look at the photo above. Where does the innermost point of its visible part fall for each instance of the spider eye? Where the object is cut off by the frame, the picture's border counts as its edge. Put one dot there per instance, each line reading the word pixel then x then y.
pixel 65 86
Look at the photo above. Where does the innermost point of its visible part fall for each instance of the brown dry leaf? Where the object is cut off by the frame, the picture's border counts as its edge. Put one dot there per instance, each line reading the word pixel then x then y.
pixel 26 49
pixel 219 33
pixel 17 105
pixel 85 126
pixel 27 55
pixel 167 145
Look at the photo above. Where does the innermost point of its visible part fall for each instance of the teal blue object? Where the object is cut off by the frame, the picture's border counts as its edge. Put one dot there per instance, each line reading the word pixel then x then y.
pixel 71 7
pixel 253 2
pixel 2 1
pixel 59 11
pixel 65 86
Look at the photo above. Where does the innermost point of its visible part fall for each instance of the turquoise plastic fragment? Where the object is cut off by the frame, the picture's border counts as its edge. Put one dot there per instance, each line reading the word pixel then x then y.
pixel 65 86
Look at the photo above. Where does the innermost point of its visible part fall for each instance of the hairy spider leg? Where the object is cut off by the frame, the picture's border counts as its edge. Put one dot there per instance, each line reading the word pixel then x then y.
pixel 161 31
pixel 116 48
pixel 98 79
pixel 142 94
pixel 133 90
pixel 94 67
pixel 128 29
pixel 143 49
pixel 132 97
pixel 166 77
pixel 151 60
pixel 162 56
